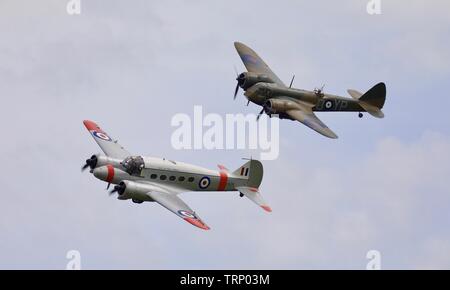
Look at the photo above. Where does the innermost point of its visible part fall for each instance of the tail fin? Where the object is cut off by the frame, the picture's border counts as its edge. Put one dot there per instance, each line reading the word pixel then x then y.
pixel 373 100
pixel 252 171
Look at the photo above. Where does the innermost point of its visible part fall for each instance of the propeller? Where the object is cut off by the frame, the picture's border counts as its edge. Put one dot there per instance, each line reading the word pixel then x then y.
pixel 265 108
pixel 260 113
pixel 120 189
pixel 240 81
pixel 91 163
pixel 236 91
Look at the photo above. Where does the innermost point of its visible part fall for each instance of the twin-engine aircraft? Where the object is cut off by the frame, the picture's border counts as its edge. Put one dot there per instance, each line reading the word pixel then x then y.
pixel 160 180
pixel 264 88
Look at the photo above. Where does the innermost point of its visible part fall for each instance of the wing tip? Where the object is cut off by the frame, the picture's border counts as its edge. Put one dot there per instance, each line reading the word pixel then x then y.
pixel 266 208
pixel 240 47
pixel 198 223
pixel 330 134
pixel 90 125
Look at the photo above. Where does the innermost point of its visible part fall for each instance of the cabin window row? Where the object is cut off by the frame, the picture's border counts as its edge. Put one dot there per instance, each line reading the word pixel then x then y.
pixel 172 178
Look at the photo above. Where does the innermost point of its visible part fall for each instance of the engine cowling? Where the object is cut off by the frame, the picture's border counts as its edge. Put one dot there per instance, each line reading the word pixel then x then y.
pixel 133 190
pixel 248 79
pixel 279 106
pixel 109 173
pixel 99 160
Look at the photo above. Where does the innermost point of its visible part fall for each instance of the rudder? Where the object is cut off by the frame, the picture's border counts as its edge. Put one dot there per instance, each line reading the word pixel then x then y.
pixel 376 96
pixel 251 170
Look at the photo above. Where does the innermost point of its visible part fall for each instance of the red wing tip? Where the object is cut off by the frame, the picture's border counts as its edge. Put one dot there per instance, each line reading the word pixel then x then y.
pixel 198 223
pixel 266 208
pixel 90 125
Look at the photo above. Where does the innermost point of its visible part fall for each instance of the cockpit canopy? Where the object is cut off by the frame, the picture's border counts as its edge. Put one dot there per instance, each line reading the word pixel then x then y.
pixel 133 165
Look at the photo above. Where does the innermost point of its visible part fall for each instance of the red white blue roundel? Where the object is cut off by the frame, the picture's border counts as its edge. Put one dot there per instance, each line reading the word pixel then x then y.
pixel 101 135
pixel 204 182
pixel 186 213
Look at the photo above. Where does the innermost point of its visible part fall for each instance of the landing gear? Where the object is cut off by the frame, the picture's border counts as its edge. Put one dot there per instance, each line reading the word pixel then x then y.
pixel 241 194
pixel 360 115
pixel 137 201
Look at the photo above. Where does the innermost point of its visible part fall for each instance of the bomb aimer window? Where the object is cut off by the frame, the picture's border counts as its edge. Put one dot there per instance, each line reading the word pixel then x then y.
pixel 133 165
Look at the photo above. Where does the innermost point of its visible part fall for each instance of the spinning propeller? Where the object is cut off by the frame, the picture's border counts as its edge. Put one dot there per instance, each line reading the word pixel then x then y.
pixel 120 189
pixel 240 82
pixel 91 163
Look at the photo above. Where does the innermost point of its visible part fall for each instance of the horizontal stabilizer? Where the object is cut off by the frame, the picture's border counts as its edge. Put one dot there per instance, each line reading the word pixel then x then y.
pixel 374 111
pixel 254 195
pixel 355 94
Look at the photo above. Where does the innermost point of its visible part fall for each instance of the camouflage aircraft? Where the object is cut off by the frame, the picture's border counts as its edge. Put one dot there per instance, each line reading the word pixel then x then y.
pixel 264 88
pixel 140 178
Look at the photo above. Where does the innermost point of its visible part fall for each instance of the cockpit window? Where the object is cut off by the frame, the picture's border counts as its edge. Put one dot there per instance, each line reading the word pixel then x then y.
pixel 133 165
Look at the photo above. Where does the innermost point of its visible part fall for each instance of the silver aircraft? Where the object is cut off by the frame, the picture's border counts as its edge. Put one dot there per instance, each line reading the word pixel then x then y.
pixel 264 88
pixel 161 180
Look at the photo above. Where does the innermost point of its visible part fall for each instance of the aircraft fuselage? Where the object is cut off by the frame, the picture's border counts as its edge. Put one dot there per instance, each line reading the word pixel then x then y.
pixel 261 92
pixel 177 174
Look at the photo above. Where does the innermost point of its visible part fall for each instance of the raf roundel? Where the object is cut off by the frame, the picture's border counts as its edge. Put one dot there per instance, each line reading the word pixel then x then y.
pixel 204 182
pixel 187 214
pixel 101 135
pixel 328 104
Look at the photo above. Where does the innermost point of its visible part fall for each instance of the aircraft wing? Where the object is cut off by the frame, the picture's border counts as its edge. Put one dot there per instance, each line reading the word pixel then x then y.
pixel 178 207
pixel 254 63
pixel 109 147
pixel 306 116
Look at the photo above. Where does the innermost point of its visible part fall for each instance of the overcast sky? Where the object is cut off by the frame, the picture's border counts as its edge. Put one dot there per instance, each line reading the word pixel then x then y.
pixel 131 65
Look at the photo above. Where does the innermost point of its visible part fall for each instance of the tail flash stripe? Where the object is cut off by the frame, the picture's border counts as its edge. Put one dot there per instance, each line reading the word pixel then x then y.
pixel 223 180
pixel 242 170
pixel 246 172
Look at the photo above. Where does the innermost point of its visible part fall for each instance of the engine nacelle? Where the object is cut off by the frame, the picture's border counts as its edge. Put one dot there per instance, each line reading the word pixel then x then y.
pixel 134 190
pixel 248 79
pixel 279 106
pixel 99 160
pixel 110 174
pixel 103 160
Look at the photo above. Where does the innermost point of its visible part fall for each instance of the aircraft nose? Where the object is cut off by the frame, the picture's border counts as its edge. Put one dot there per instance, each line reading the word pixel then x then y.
pixel 105 173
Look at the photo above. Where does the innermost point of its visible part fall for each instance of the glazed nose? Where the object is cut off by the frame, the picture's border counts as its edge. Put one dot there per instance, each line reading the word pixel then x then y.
pixel 105 173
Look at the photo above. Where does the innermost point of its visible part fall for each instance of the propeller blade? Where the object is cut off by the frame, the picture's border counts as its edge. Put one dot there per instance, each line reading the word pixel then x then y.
pixel 107 187
pixel 236 91
pixel 114 190
pixel 260 113
pixel 84 167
